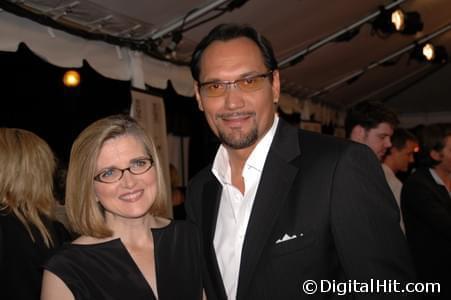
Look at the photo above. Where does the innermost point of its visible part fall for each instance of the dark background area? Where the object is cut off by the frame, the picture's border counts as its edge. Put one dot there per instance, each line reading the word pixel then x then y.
pixel 35 98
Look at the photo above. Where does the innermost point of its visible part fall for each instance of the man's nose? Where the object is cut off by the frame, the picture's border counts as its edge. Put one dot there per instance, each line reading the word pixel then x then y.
pixel 387 142
pixel 233 97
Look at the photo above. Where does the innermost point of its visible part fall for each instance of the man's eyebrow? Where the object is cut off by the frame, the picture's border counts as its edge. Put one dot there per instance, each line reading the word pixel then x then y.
pixel 241 76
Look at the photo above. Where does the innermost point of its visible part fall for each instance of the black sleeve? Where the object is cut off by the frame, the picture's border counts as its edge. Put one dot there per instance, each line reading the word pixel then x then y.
pixel 1 247
pixel 365 222
pixel 421 202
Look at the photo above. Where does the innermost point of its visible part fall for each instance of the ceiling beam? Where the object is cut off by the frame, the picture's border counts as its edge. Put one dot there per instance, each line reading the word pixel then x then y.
pixel 358 73
pixel 295 58
pixel 194 14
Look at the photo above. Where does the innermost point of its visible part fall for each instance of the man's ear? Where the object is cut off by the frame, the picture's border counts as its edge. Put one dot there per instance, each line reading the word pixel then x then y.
pixel 358 134
pixel 197 94
pixel 276 85
pixel 435 155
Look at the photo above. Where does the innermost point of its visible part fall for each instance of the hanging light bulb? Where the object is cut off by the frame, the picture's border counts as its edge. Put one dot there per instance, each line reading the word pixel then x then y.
pixel 428 52
pixel 71 78
pixel 397 19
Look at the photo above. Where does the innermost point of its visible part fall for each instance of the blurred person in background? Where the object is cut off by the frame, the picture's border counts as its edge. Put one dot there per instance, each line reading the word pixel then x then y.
pixel 426 206
pixel 177 194
pixel 59 181
pixel 28 231
pixel 372 124
pixel 398 159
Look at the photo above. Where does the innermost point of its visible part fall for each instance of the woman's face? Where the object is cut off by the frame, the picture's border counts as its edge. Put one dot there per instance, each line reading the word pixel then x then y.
pixel 132 196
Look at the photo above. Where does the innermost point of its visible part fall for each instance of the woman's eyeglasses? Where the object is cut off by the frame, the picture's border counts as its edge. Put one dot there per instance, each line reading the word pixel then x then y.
pixel 137 167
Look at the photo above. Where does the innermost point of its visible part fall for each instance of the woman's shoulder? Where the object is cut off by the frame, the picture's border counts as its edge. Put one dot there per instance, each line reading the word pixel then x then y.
pixel 80 251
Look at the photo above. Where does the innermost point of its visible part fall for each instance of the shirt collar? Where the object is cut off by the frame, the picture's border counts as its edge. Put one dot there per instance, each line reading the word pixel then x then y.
pixel 437 178
pixel 256 160
pixel 388 169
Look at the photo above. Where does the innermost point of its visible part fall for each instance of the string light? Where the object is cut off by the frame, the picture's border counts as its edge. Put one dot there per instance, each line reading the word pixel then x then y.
pixel 71 78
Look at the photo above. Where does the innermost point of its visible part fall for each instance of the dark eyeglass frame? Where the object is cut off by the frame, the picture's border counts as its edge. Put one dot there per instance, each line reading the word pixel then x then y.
pixel 129 169
pixel 235 82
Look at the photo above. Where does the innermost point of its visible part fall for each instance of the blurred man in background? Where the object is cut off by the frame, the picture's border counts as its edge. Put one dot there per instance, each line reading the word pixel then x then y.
pixel 372 124
pixel 398 159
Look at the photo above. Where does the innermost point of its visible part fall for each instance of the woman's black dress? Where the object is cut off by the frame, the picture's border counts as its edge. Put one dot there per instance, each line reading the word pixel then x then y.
pixel 107 271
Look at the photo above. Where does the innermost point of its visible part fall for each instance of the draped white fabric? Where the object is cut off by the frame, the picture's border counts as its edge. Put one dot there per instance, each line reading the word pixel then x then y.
pixel 65 50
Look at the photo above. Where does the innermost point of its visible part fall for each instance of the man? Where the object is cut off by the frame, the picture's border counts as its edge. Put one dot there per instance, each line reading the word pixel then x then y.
pixel 426 206
pixel 398 159
pixel 372 124
pixel 281 206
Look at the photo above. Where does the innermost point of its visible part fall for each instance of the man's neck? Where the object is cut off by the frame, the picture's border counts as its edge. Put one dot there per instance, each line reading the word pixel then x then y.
pixel 389 163
pixel 237 160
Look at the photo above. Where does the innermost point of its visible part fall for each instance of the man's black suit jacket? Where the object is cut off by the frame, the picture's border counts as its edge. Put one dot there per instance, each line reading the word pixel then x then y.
pixel 426 208
pixel 331 194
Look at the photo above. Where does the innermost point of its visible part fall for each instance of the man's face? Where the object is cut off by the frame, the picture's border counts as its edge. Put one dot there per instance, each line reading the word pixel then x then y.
pixel 404 157
pixel 378 138
pixel 444 156
pixel 239 118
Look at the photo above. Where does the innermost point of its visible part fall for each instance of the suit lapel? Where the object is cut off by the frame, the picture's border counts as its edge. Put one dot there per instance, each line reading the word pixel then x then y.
pixel 212 195
pixel 275 183
pixel 440 190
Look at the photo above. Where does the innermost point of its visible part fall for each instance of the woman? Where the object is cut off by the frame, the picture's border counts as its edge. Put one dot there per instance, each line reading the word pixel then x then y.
pixel 28 232
pixel 116 200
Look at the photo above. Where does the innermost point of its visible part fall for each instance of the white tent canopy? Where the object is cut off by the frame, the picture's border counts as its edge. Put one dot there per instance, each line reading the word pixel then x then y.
pixel 334 72
pixel 64 50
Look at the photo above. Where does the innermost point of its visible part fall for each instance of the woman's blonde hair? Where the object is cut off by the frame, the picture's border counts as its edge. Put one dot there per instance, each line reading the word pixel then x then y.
pixel 85 215
pixel 27 165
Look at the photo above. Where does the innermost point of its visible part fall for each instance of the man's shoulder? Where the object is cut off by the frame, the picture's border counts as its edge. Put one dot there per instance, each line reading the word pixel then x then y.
pixel 421 176
pixel 322 143
pixel 202 176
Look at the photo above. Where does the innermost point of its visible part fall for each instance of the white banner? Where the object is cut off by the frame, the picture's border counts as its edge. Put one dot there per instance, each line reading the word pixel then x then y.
pixel 149 111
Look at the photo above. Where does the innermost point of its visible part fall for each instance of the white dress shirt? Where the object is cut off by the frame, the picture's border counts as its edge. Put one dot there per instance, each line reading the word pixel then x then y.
pixel 396 186
pixel 235 208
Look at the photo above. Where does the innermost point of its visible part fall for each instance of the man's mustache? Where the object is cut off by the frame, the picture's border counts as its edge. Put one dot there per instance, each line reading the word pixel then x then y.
pixel 235 114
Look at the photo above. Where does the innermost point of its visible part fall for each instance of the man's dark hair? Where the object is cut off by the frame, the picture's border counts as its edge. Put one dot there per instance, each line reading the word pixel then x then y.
pixel 369 115
pixel 226 32
pixel 400 137
pixel 432 137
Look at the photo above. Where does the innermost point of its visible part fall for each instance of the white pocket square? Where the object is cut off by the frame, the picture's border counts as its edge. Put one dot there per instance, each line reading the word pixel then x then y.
pixel 286 237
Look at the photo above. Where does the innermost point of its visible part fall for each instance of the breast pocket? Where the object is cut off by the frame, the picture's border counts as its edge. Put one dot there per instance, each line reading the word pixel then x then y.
pixel 292 243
